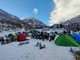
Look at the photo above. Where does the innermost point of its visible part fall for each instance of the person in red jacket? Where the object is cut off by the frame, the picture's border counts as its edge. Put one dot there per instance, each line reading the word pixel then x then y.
pixel 21 37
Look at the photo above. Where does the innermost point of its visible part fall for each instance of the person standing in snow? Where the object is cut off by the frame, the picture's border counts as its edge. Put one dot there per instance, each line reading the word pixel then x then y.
pixel 64 32
pixel 39 35
pixel 47 36
pixel 43 36
pixel 6 38
pixel 2 40
pixel 52 36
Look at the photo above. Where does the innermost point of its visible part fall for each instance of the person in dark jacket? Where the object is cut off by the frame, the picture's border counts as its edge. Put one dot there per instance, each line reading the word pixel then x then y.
pixel 43 36
pixel 47 36
pixel 52 36
pixel 2 40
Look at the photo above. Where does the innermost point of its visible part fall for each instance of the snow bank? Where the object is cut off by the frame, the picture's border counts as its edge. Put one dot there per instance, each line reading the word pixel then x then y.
pixel 29 52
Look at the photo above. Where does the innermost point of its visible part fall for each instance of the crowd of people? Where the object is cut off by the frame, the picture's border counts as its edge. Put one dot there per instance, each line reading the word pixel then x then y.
pixel 48 35
pixel 34 34
pixel 43 35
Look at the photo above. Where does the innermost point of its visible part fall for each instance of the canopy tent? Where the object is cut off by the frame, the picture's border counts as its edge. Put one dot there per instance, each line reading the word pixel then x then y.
pixel 76 37
pixel 66 40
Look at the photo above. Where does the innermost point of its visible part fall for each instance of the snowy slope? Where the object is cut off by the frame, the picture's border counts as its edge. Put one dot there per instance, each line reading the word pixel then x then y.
pixel 34 22
pixel 11 22
pixel 29 52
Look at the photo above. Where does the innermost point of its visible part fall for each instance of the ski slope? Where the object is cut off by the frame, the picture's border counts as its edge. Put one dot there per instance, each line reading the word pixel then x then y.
pixel 30 52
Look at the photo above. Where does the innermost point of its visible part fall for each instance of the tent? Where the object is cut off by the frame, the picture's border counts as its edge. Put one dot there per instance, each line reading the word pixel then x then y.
pixel 10 37
pixel 21 37
pixel 66 40
pixel 76 37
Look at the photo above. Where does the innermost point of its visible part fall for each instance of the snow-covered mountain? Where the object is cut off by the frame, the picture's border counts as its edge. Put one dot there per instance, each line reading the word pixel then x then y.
pixel 73 24
pixel 9 21
pixel 73 20
pixel 33 22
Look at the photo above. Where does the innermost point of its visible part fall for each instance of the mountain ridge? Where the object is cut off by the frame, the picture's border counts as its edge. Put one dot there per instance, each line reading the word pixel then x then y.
pixel 8 21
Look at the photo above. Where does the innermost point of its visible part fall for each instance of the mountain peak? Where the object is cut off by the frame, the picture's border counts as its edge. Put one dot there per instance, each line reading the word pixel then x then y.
pixel 33 21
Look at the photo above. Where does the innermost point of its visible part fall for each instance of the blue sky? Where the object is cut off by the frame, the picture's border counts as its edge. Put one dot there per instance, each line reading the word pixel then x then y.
pixel 25 8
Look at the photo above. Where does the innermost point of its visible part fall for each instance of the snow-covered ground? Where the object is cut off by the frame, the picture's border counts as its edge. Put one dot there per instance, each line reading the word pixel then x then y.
pixel 29 52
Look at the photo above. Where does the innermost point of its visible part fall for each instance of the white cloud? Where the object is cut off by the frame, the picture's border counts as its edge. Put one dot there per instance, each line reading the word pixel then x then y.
pixel 35 10
pixel 64 10
pixel 22 18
